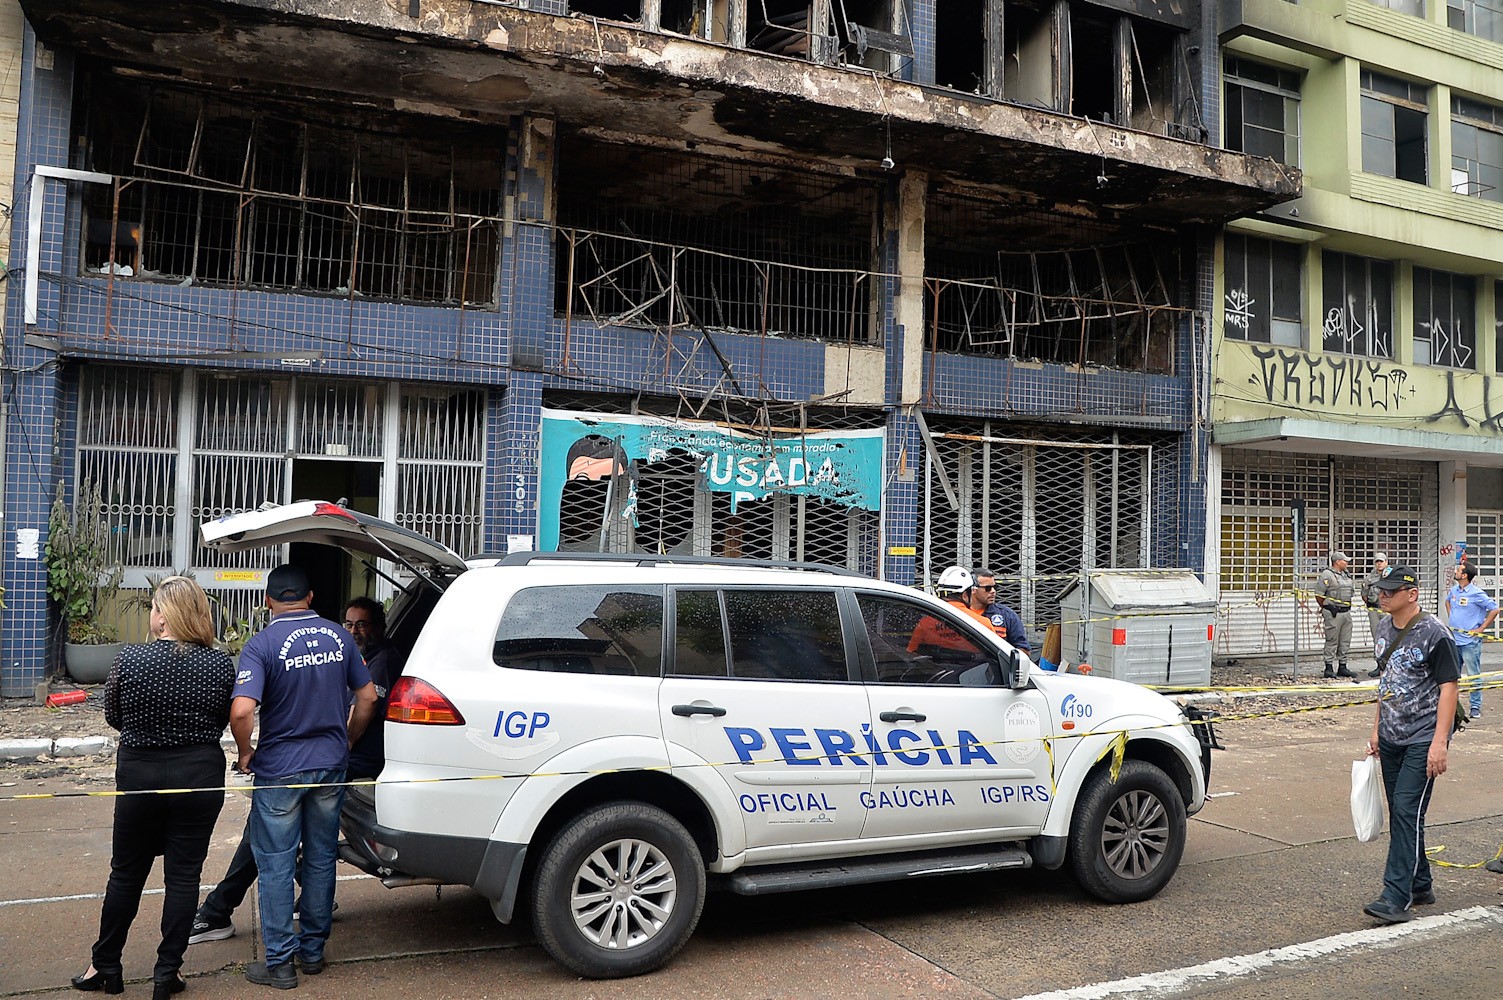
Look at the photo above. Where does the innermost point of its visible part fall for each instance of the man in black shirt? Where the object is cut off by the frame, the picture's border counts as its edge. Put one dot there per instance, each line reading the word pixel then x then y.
pixel 365 619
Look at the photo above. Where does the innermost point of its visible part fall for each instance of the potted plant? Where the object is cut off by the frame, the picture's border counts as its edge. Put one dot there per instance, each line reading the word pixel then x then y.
pixel 83 575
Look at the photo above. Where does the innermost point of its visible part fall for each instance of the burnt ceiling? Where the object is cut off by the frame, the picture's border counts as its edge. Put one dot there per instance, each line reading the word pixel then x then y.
pixel 488 63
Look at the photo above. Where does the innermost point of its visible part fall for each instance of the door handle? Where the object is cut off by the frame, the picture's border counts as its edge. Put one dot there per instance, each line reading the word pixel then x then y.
pixel 689 711
pixel 902 716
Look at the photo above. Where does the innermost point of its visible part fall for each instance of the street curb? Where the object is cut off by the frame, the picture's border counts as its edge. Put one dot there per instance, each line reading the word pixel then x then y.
pixel 26 751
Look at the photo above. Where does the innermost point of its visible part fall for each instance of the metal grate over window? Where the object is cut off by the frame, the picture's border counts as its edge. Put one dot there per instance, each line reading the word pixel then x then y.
pixel 441 465
pixel 211 190
pixel 1035 512
pixel 662 240
pixel 1354 505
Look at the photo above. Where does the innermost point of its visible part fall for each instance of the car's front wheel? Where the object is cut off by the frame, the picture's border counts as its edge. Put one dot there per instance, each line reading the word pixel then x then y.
pixel 618 891
pixel 1127 836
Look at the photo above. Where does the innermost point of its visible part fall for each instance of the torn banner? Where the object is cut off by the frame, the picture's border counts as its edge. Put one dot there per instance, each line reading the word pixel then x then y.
pixel 844 467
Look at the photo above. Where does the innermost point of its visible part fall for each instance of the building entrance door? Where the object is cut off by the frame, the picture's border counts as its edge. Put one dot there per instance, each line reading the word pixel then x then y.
pixel 336 575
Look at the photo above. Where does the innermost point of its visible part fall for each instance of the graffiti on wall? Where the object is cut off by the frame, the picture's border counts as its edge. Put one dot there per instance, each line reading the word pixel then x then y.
pixel 1294 378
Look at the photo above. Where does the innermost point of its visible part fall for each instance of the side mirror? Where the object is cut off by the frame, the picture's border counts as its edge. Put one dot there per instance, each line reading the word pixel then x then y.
pixel 1018 670
pixel 1010 671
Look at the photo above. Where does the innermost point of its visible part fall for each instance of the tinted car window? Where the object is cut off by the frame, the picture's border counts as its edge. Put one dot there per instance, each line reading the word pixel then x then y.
pixel 583 630
pixel 785 635
pixel 699 635
pixel 912 645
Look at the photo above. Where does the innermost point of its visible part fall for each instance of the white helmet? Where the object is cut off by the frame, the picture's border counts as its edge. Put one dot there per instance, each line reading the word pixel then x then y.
pixel 955 580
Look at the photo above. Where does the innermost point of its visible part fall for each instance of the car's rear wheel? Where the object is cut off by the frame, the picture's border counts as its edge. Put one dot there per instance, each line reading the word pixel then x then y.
pixel 1128 836
pixel 618 891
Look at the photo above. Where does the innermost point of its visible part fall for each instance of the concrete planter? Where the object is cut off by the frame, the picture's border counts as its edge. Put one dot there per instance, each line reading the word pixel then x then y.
pixel 91 664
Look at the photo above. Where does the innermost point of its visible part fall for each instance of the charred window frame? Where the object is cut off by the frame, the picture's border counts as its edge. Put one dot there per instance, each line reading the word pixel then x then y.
pixel 1476 149
pixel 1485 20
pixel 621 11
pixel 1357 305
pixel 1445 317
pixel 216 192
pixel 1262 110
pixel 1264 280
pixel 660 239
pixel 1395 115
pixel 1049 288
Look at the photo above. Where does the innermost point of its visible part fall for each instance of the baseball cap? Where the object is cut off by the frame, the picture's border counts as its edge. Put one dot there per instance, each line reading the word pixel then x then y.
pixel 1337 556
pixel 287 583
pixel 1380 557
pixel 1398 578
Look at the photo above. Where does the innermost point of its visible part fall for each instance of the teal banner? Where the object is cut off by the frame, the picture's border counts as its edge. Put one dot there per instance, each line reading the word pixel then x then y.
pixel 844 467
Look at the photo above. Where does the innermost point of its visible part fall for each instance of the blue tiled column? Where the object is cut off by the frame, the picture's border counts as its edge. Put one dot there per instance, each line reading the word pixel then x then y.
pixel 905 449
pixel 923 39
pixel 32 390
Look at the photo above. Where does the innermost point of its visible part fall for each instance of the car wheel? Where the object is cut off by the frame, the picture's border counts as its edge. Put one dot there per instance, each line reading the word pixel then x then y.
pixel 1127 836
pixel 618 891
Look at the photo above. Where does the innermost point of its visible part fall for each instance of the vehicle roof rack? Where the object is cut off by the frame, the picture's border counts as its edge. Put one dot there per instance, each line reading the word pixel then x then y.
pixel 648 559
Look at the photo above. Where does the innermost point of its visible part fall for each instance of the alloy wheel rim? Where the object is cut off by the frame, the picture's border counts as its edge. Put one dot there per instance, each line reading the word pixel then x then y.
pixel 623 894
pixel 1135 836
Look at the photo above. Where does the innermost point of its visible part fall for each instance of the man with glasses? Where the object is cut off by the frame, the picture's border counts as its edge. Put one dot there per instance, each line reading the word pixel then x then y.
pixel 1005 620
pixel 365 619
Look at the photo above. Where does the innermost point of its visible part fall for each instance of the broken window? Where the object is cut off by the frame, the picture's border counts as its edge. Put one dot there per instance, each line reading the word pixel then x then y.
pixel 1094 66
pixel 1030 39
pixel 217 192
pixel 709 19
pixel 786 27
pixel 1475 17
pixel 960 46
pixel 1356 305
pixel 629 11
pixel 1051 289
pixel 1445 319
pixel 1394 115
pixel 660 239
pixel 1156 65
pixel 873 33
pixel 1263 281
pixel 1262 110
pixel 1476 148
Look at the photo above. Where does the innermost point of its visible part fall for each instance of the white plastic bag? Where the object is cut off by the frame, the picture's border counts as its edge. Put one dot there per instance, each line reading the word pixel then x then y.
pixel 1367 798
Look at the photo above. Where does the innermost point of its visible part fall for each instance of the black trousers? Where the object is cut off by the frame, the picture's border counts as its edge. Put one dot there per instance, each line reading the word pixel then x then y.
pixel 178 828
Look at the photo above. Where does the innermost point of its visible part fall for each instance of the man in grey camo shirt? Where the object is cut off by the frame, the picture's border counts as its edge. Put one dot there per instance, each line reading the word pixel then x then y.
pixel 1411 735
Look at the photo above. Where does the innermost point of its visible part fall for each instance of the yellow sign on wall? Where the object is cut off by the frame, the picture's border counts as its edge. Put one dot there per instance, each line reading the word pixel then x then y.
pixel 239 576
pixel 1258 381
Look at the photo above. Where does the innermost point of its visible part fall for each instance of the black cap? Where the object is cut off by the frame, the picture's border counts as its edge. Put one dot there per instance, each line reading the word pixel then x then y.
pixel 1398 578
pixel 287 583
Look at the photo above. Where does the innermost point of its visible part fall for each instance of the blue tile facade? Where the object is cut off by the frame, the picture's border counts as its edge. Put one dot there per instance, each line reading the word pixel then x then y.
pixel 517 351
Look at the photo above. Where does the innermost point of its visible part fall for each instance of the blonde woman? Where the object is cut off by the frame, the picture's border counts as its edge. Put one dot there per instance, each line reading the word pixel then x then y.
pixel 170 699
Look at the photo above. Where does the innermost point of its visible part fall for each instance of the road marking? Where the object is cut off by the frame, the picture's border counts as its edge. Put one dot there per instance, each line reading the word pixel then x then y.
pixel 1162 984
pixel 210 887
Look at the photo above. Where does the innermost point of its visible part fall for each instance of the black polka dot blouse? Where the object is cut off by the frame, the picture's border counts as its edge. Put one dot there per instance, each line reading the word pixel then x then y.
pixel 169 694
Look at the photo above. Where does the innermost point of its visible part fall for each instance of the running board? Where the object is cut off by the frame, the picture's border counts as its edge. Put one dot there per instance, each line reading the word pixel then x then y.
pixel 883 868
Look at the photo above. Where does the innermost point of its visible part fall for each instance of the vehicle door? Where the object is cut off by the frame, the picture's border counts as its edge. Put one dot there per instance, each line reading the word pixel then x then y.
pixel 761 685
pixel 963 757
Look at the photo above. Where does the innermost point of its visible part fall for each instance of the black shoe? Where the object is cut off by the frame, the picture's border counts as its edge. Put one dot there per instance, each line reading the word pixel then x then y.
pixel 205 929
pixel 162 989
pixel 282 977
pixel 1422 898
pixel 1344 672
pixel 110 982
pixel 310 968
pixel 1382 910
pixel 1375 672
pixel 1329 672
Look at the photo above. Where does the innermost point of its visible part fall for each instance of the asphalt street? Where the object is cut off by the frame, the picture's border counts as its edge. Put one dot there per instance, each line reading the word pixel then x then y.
pixel 1268 904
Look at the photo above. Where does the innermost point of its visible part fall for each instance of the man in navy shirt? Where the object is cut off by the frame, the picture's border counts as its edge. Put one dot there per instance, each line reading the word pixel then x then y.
pixel 1004 619
pixel 300 670
pixel 366 621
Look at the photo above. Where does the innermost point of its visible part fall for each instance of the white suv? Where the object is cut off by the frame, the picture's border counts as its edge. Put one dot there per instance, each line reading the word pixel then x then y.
pixel 598 737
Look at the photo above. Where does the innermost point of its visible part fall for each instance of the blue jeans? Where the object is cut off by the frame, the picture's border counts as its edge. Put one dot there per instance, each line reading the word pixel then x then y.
pixel 1471 665
pixel 1408 790
pixel 281 818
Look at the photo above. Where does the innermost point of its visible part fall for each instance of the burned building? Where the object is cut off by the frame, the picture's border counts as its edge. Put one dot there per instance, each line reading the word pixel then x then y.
pixel 892 284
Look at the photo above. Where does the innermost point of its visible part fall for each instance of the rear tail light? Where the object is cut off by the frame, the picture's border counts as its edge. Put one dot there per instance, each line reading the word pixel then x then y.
pixel 416 701
pixel 331 510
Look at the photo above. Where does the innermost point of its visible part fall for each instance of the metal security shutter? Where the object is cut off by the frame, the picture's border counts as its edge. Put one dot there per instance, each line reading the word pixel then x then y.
pixel 1036 511
pixel 1484 535
pixel 441 464
pixel 1356 505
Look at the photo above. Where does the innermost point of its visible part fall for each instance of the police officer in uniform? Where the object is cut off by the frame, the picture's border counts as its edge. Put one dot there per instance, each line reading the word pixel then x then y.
pixel 1370 598
pixel 1333 592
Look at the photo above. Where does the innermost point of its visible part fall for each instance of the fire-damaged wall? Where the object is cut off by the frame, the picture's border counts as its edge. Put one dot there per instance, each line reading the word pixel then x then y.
pixel 927 232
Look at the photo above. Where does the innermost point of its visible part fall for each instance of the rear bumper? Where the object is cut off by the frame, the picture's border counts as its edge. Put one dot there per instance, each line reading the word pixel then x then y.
pixel 492 868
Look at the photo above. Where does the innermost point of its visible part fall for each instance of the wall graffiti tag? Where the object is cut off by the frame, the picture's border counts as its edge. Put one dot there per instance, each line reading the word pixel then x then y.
pixel 1294 378
pixel 1239 309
